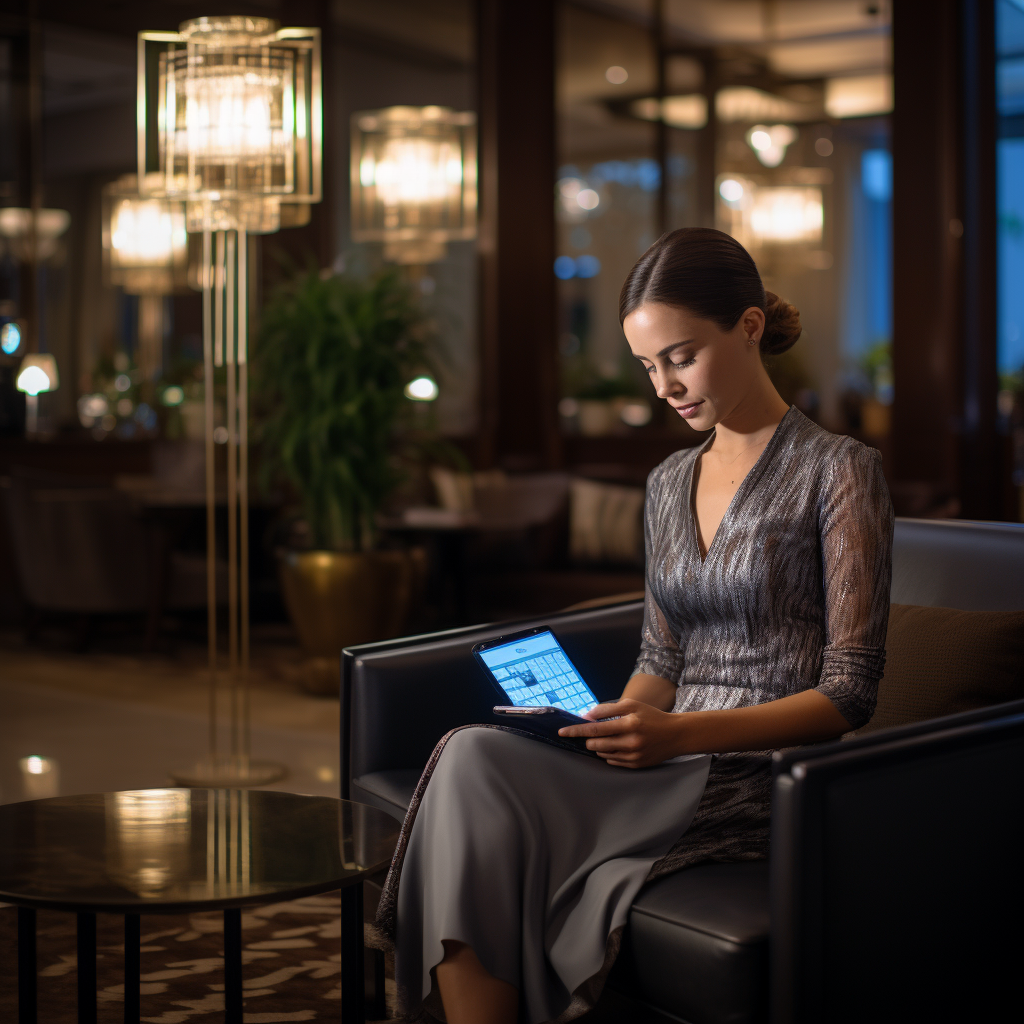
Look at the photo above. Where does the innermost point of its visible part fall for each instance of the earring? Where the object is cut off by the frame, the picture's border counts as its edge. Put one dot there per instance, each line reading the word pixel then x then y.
pixel 751 341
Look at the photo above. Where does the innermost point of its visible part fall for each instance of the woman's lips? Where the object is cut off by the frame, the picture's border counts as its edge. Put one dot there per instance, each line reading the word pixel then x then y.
pixel 686 411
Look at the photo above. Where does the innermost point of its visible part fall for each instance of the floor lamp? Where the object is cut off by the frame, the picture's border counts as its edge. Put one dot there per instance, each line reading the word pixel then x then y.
pixel 229 122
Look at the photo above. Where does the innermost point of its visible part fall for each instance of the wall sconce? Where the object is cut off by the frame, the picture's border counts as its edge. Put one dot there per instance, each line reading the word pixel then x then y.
pixel 145 250
pixel 229 122
pixel 414 180
pixel 38 373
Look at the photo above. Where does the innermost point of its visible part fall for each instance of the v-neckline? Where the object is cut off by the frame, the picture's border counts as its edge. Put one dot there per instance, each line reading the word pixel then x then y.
pixel 694 535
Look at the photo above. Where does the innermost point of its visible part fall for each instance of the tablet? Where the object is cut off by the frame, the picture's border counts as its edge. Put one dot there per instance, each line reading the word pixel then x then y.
pixel 532 671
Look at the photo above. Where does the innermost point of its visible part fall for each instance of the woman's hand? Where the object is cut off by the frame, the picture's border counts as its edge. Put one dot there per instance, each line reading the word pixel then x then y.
pixel 639 736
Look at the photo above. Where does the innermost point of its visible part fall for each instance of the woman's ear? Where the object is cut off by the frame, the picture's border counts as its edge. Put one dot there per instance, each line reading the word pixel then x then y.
pixel 752 323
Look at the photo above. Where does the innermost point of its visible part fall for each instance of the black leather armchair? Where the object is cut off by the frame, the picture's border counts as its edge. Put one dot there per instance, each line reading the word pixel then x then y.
pixel 893 889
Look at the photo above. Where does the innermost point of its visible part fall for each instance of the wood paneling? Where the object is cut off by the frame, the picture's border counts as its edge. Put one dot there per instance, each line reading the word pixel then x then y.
pixel 944 328
pixel 516 107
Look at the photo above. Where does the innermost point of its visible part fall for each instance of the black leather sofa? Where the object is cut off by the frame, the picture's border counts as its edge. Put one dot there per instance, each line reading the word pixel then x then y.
pixel 893 889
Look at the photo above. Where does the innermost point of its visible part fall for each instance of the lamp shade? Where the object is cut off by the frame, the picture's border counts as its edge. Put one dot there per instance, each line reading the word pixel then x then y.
pixel 38 373
pixel 145 243
pixel 237 105
pixel 414 181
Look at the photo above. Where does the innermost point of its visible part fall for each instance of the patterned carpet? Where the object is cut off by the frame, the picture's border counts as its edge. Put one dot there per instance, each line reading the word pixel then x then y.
pixel 290 955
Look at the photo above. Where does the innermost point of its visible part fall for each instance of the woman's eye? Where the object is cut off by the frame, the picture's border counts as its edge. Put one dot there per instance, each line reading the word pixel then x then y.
pixel 689 362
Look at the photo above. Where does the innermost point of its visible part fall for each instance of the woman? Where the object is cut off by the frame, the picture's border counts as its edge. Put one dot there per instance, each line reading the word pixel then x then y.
pixel 767 598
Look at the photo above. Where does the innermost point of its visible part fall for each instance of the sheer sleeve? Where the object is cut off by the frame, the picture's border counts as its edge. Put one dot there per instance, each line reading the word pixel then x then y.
pixel 660 653
pixel 856 526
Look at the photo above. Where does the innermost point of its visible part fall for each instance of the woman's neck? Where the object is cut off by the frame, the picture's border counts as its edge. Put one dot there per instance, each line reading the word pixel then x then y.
pixel 752 422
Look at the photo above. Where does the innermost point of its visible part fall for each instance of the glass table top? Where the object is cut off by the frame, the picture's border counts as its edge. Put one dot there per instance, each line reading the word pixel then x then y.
pixel 170 850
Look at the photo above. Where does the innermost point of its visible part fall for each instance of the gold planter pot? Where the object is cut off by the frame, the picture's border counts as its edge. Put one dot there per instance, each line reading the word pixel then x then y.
pixel 337 599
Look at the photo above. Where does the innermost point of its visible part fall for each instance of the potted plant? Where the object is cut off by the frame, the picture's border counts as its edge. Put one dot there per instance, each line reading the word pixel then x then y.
pixel 334 355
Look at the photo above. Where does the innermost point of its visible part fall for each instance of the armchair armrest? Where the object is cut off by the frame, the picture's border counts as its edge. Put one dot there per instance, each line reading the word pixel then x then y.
pixel 401 696
pixel 894 865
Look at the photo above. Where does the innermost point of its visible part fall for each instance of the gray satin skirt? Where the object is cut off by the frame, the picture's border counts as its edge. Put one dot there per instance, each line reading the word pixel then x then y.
pixel 532 855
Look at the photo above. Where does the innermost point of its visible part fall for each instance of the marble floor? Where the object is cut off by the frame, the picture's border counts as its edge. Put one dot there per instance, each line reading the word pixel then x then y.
pixel 110 721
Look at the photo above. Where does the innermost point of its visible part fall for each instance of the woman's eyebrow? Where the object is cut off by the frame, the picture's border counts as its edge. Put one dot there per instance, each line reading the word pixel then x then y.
pixel 676 344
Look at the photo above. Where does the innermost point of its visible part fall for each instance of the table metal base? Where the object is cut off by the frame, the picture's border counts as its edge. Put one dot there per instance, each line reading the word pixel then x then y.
pixel 354 1002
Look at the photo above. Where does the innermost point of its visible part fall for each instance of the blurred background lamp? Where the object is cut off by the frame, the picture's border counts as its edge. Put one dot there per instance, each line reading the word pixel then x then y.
pixel 769 143
pixel 790 213
pixel 636 414
pixel 174 395
pixel 40 777
pixel 92 408
pixel 731 190
pixel 10 338
pixel 616 74
pixel 422 389
pixel 145 253
pixel 16 227
pixel 38 373
pixel 413 180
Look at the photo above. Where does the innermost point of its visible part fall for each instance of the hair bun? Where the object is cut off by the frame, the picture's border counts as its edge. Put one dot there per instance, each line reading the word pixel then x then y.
pixel 781 325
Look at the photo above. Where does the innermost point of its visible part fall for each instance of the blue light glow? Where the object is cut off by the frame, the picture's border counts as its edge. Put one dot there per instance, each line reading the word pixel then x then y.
pixel 587 266
pixel 10 338
pixel 876 174
pixel 565 268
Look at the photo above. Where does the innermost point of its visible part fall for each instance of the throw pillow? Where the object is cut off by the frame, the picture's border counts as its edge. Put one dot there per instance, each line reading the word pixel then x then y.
pixel 941 661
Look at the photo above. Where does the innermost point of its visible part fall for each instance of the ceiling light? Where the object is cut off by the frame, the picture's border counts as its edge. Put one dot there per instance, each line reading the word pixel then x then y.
pixel 688 112
pixel 859 96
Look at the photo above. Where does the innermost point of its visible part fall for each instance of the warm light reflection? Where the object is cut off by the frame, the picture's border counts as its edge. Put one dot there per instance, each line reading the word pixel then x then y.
pixel 148 839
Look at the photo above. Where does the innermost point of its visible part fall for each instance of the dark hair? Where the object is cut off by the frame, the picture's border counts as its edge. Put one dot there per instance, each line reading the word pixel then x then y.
pixel 709 273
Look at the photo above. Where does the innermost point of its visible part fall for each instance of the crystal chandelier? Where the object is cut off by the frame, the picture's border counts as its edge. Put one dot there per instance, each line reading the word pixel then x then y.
pixel 413 180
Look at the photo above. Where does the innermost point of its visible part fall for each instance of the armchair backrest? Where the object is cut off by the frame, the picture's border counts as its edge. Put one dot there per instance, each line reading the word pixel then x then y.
pixel 954 563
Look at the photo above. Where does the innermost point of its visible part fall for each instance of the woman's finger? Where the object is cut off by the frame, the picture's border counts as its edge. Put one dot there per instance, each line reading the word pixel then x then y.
pixel 604 728
pixel 609 709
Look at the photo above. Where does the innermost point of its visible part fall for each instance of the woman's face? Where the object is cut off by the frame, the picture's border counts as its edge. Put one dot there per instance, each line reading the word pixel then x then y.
pixel 703 372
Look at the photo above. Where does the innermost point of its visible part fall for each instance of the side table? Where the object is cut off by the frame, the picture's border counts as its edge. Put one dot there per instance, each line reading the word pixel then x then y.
pixel 170 851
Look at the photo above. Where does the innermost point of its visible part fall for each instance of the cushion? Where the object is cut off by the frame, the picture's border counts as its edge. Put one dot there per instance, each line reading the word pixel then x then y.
pixel 606 523
pixel 941 661
pixel 697 945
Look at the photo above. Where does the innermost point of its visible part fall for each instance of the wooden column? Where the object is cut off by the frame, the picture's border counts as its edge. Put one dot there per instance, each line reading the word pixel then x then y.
pixel 980 483
pixel 516 108
pixel 944 337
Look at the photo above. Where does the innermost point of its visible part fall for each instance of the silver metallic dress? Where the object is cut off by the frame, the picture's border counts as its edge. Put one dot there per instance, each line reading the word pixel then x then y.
pixel 532 854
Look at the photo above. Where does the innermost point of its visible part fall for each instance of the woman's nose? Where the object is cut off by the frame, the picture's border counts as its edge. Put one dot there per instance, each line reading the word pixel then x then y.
pixel 666 387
